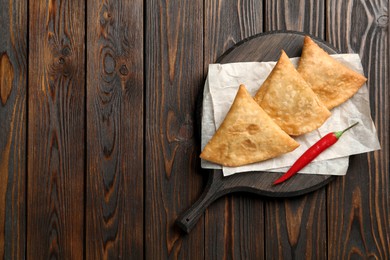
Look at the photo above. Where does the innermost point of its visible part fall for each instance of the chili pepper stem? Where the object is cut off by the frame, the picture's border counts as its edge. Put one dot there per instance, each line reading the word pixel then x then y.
pixel 340 133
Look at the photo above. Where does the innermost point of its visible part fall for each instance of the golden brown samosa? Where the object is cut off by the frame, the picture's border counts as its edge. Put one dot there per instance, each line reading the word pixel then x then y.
pixel 332 81
pixel 288 99
pixel 247 135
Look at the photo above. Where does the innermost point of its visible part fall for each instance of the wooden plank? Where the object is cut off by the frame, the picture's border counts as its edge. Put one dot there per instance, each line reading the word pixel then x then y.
pixel 174 70
pixel 359 203
pixel 13 71
pixel 56 130
pixel 235 228
pixel 302 15
pixel 296 228
pixel 234 225
pixel 114 209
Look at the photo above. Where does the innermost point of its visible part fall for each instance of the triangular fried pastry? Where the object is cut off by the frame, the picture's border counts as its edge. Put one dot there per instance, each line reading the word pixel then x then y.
pixel 247 135
pixel 288 99
pixel 333 82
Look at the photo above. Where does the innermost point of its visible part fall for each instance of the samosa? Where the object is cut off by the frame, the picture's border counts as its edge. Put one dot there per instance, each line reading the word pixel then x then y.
pixel 288 99
pixel 247 135
pixel 332 81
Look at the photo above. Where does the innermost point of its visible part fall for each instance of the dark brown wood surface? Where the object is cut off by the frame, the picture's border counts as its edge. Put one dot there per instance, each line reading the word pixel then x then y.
pixel 173 77
pixel 13 119
pixel 98 143
pixel 55 139
pixel 114 169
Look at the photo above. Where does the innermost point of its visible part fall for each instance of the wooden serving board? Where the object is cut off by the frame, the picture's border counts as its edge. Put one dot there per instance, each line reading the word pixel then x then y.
pixel 261 47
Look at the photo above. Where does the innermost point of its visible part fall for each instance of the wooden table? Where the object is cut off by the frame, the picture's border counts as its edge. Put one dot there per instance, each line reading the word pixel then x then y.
pixel 98 149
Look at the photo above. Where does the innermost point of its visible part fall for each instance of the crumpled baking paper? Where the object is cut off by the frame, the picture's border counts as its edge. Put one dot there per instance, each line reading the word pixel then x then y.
pixel 220 90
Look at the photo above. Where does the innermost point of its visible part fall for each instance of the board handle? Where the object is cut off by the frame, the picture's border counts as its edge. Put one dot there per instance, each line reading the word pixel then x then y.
pixel 190 217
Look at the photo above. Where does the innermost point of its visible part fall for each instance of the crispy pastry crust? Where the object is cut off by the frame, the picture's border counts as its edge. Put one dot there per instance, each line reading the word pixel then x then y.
pixel 247 135
pixel 288 99
pixel 333 82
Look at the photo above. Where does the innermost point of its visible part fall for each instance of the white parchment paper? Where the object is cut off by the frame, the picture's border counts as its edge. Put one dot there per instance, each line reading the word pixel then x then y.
pixel 219 92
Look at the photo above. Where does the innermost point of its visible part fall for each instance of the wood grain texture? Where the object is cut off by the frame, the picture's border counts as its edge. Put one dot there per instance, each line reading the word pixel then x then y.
pixel 227 23
pixel 114 210
pixel 13 71
pixel 295 228
pixel 239 233
pixel 174 68
pixel 235 223
pixel 301 15
pixel 293 225
pixel 359 203
pixel 56 130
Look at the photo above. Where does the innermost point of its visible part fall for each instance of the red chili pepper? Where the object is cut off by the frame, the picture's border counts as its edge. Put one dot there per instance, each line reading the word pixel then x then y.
pixel 311 153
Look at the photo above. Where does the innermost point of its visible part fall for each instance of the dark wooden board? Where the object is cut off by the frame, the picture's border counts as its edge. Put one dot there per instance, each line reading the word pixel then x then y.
pixel 13 103
pixel 55 205
pixel 261 47
pixel 173 77
pixel 298 15
pixel 114 190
